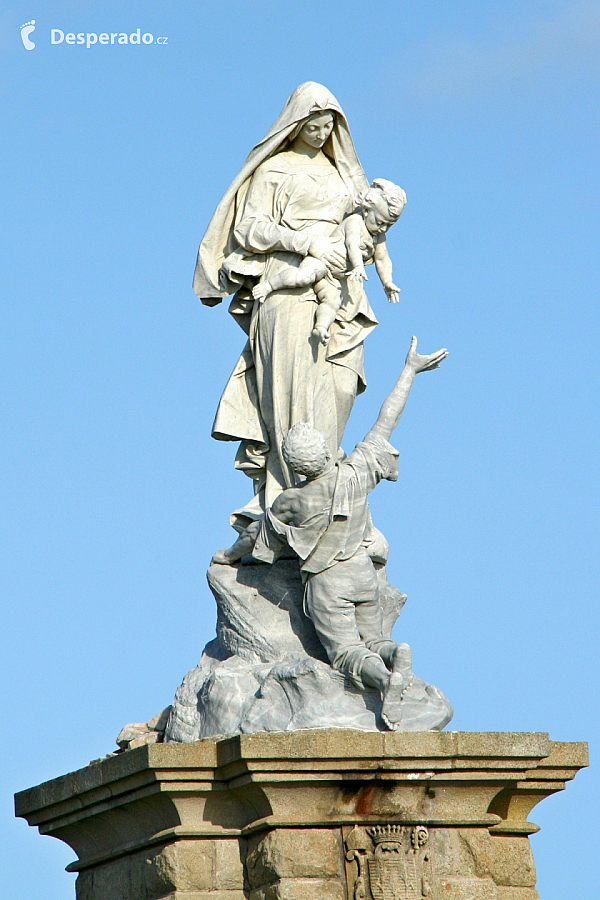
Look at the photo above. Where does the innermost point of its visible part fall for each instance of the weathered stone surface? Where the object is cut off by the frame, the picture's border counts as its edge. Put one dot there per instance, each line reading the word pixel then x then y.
pixel 228 865
pixel 237 894
pixel 466 889
pixel 189 869
pixel 303 815
pixel 187 865
pixel 512 861
pixel 138 733
pixel 259 612
pixel 267 671
pixel 206 895
pixel 516 893
pixel 153 875
pixel 300 889
pixel 292 853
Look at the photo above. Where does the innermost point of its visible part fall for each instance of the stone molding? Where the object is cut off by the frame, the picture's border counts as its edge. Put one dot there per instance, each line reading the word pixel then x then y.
pixel 209 818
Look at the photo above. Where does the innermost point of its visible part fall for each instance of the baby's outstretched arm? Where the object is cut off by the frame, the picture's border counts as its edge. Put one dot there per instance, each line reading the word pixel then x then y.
pixel 352 233
pixel 383 264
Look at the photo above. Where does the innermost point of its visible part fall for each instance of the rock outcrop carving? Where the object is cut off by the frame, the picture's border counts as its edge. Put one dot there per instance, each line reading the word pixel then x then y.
pixel 267 671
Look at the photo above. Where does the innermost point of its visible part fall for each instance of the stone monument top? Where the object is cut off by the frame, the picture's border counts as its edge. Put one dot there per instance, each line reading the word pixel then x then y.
pixel 304 607
pixel 285 768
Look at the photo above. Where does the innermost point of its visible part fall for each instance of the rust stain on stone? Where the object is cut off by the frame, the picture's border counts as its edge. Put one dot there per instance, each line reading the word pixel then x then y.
pixel 366 799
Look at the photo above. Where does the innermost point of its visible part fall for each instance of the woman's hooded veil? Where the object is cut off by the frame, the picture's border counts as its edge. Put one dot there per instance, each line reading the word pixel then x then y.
pixel 219 242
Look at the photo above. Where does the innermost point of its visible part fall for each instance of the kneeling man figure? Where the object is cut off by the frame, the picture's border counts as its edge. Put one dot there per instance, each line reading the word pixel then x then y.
pixel 325 521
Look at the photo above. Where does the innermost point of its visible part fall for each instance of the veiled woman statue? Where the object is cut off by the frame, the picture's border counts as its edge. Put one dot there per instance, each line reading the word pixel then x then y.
pixel 294 190
pixel 303 639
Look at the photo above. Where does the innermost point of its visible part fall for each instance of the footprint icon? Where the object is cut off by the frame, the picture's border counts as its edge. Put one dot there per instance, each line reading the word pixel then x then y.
pixel 26 30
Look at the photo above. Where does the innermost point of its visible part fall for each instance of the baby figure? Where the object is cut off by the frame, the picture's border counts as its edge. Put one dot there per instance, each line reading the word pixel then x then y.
pixel 363 231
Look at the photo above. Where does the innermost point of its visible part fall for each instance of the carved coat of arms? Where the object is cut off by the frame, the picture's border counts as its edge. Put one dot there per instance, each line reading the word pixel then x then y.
pixel 394 864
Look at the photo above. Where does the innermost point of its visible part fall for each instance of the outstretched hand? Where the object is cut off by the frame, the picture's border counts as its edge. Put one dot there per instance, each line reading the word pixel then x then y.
pixel 392 292
pixel 420 363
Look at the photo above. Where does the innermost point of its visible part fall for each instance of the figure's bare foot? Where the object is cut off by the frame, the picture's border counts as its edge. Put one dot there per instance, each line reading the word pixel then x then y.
pixel 261 291
pixel 391 708
pixel 322 334
pixel 402 662
pixel 401 679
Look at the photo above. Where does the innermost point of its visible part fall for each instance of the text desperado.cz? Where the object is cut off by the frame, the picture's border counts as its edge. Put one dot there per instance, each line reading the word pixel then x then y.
pixel 90 38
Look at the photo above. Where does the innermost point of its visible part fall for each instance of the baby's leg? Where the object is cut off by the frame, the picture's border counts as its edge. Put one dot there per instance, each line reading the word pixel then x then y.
pixel 330 300
pixel 309 271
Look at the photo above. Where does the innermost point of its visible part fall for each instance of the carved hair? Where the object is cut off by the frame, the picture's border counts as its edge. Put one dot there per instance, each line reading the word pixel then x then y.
pixel 393 195
pixel 303 449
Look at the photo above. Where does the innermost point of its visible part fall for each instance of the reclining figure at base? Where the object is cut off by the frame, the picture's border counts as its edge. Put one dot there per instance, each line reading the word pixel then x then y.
pixel 324 520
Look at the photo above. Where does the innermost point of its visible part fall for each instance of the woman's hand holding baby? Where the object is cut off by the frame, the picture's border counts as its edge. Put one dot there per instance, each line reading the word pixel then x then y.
pixel 327 251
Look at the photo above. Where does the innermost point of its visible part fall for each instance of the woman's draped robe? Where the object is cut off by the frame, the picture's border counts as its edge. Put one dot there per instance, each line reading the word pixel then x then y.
pixel 265 220
pixel 285 375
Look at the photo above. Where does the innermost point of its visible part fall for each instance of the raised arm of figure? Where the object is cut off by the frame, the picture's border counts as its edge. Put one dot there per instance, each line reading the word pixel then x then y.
pixel 393 405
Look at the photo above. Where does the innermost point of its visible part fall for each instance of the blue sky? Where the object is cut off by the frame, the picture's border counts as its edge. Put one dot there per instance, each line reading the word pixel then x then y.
pixel 115 496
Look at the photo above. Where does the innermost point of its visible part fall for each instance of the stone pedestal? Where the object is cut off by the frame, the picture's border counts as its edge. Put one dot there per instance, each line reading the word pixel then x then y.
pixel 328 814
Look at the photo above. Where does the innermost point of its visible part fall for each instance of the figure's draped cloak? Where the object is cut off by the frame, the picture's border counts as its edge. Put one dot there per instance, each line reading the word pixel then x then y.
pixel 264 222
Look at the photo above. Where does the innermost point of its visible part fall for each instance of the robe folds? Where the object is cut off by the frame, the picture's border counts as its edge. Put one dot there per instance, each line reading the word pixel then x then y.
pixel 266 220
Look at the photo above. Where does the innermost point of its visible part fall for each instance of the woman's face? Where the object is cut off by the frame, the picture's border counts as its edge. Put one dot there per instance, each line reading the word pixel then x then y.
pixel 317 129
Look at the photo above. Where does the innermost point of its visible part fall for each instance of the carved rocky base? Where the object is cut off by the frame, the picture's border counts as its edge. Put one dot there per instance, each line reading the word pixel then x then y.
pixel 328 814
pixel 267 670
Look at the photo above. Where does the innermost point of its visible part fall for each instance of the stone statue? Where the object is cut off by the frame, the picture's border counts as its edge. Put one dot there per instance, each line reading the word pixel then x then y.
pixel 304 627
pixel 324 521
pixel 378 208
pixel 304 607
pixel 285 211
